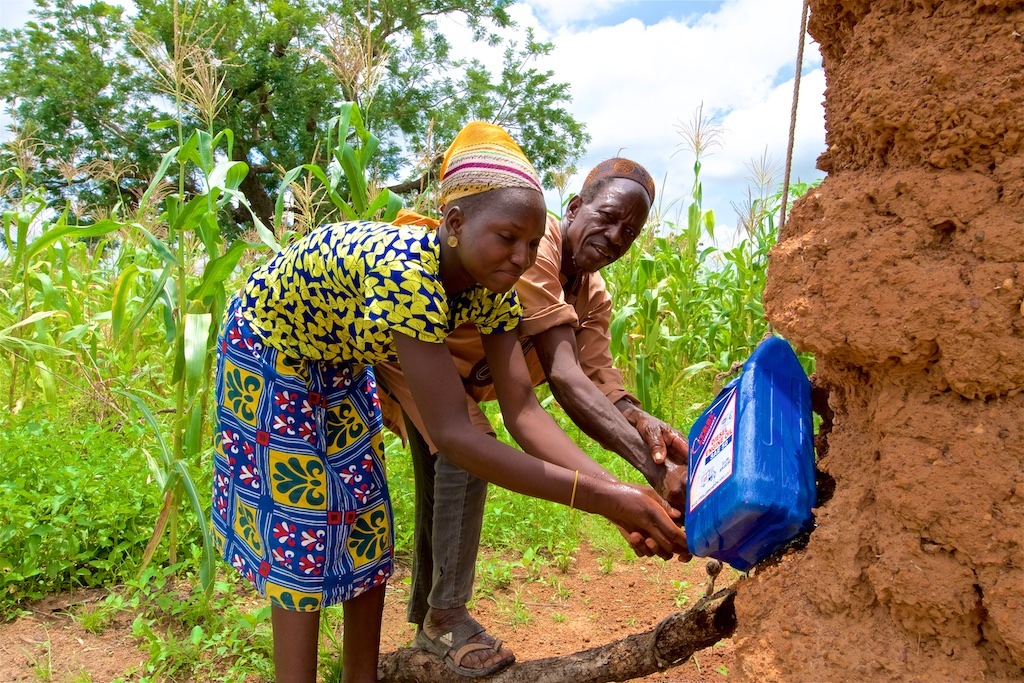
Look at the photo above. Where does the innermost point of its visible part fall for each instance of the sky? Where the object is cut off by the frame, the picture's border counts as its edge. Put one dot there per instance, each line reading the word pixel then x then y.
pixel 638 69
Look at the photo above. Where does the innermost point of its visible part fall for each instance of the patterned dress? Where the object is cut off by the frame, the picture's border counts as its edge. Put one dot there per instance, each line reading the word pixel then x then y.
pixel 300 502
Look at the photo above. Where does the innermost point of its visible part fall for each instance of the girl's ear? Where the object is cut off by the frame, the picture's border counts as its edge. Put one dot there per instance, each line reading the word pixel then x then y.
pixel 572 207
pixel 454 220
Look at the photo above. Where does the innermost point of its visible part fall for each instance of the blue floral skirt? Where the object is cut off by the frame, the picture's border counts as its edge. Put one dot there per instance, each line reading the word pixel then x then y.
pixel 300 501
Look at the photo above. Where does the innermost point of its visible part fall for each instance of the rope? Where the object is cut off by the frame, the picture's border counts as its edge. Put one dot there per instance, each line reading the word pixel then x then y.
pixel 792 113
pixel 716 385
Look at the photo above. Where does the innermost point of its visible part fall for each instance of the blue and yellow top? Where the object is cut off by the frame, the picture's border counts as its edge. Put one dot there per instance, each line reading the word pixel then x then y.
pixel 338 293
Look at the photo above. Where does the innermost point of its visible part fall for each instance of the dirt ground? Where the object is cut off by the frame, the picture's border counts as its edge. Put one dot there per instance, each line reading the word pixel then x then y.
pixel 556 613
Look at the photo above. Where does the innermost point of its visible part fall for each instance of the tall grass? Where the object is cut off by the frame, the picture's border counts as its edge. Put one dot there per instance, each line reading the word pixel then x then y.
pixel 127 306
pixel 684 305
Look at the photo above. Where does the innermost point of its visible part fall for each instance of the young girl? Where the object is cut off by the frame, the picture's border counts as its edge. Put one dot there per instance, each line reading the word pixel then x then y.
pixel 301 506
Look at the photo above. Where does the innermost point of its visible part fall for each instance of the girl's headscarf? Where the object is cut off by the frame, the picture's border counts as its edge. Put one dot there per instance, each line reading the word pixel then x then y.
pixel 482 157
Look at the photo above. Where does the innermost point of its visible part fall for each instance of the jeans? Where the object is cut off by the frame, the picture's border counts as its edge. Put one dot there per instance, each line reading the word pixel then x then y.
pixel 449 516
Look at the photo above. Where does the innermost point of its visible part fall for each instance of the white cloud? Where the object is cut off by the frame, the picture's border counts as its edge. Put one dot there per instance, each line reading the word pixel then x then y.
pixel 559 12
pixel 632 83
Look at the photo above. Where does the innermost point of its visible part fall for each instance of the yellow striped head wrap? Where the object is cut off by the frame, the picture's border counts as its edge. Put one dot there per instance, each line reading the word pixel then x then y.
pixel 484 157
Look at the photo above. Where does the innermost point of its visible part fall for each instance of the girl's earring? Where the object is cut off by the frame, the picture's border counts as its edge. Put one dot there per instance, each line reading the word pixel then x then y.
pixel 453 241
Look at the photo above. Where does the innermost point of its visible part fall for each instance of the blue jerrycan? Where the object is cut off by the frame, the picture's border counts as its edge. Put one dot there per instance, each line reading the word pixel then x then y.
pixel 751 475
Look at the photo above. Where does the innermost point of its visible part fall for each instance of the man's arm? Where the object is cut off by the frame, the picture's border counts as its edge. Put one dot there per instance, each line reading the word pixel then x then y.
pixel 572 344
pixel 662 439
pixel 590 409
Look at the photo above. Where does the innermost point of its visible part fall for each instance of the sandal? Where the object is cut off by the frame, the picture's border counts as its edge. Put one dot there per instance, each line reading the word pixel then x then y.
pixel 453 646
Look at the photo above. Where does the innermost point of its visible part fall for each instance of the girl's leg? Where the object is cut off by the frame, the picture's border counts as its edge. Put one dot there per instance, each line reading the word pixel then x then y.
pixel 296 637
pixel 363 616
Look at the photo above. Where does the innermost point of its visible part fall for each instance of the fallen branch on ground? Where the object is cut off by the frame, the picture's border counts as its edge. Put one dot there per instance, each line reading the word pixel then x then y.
pixel 668 644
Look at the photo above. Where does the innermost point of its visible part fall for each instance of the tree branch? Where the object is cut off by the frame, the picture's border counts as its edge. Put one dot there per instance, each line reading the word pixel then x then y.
pixel 667 645
pixel 260 201
pixel 419 183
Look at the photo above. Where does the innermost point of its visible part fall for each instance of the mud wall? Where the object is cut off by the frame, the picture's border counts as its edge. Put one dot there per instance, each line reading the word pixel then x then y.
pixel 904 274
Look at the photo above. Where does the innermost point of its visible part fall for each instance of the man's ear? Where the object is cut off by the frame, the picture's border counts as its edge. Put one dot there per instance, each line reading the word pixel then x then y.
pixel 572 207
pixel 454 219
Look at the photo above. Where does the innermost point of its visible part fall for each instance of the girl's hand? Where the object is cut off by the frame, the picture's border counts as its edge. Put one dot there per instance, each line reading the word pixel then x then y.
pixel 643 546
pixel 640 510
pixel 638 543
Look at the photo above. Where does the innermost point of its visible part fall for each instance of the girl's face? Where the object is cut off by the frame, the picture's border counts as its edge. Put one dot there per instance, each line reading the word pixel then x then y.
pixel 498 236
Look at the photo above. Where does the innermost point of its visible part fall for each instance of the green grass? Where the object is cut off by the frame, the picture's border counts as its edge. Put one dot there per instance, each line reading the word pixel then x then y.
pixel 75 506
pixel 80 505
pixel 225 638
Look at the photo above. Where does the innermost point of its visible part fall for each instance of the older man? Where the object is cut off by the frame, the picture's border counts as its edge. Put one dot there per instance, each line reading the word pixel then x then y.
pixel 566 314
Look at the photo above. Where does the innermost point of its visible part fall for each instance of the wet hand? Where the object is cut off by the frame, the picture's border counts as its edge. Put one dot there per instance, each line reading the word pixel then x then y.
pixel 642 545
pixel 640 510
pixel 672 486
pixel 663 441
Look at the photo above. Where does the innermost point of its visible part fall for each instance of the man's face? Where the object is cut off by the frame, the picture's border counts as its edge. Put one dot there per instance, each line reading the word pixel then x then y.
pixel 601 231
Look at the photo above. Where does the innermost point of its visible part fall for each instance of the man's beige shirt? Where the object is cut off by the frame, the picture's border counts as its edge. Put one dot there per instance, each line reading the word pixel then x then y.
pixel 546 304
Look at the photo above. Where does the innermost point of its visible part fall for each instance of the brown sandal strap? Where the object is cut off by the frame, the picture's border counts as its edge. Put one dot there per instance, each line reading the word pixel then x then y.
pixel 461 653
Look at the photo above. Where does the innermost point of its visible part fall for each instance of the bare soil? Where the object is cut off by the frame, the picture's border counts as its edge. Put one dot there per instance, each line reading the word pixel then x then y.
pixel 539 615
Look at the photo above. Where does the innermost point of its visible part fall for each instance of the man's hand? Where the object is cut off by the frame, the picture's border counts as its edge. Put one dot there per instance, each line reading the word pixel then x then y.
pixel 673 486
pixel 663 441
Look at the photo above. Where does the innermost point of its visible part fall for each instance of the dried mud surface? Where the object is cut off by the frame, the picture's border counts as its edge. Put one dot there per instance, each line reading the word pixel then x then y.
pixel 904 273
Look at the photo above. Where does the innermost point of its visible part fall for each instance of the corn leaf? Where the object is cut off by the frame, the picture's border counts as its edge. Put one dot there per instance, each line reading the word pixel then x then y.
pixel 165 454
pixel 206 562
pixel 74 232
pixel 218 270
pixel 161 171
pixel 286 182
pixel 147 304
pixel 158 245
pixel 46 381
pixel 197 333
pixel 122 292
pixel 228 174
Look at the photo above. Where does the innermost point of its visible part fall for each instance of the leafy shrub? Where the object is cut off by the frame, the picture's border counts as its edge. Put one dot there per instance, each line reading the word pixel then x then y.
pixel 71 513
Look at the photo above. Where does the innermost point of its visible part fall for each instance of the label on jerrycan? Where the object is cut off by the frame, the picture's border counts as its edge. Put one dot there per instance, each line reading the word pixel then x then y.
pixel 715 465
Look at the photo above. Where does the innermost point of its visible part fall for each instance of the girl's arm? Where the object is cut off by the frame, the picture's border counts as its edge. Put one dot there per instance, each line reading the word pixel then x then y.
pixel 441 399
pixel 539 435
pixel 530 425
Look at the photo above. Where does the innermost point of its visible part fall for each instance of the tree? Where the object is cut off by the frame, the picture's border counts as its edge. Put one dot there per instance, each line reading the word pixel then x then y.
pixel 87 79
pixel 82 107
